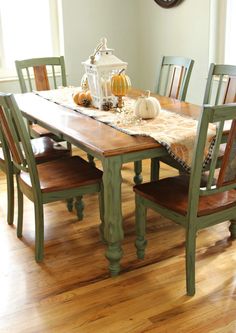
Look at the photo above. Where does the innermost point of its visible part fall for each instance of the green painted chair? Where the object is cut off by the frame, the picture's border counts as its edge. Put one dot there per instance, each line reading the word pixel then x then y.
pixel 41 74
pixel 174 77
pixel 221 85
pixel 33 73
pixel 189 201
pixel 173 82
pixel 47 182
pixel 220 89
pixel 45 149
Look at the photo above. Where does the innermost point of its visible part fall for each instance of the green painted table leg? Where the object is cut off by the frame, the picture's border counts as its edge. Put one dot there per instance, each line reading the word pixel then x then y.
pixel 101 211
pixel 138 172
pixel 114 254
pixel 155 169
pixel 232 229
pixel 113 230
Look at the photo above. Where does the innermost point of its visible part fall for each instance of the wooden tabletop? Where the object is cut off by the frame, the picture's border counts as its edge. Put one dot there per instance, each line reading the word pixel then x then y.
pixel 96 136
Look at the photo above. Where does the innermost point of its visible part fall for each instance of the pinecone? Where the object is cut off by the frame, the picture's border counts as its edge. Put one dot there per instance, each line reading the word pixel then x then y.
pixel 86 102
pixel 107 106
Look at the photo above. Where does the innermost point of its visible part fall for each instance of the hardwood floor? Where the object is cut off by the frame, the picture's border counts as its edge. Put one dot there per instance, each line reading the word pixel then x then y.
pixel 71 290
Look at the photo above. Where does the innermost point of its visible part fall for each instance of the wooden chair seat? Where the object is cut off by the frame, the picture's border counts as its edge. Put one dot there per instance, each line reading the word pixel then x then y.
pixel 172 193
pixel 46 149
pixel 64 174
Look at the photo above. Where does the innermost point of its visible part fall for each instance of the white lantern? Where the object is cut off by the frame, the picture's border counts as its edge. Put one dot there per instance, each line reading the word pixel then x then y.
pixel 100 67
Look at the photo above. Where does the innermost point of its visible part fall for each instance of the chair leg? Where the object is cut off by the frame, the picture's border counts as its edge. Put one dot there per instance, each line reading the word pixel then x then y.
pixel 69 204
pixel 190 248
pixel 138 172
pixel 20 203
pixel 140 226
pixel 39 232
pixel 69 146
pixel 91 160
pixel 155 169
pixel 20 212
pixel 232 228
pixel 79 206
pixel 10 197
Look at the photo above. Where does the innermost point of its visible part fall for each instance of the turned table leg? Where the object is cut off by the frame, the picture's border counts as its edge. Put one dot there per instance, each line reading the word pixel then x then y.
pixel 113 229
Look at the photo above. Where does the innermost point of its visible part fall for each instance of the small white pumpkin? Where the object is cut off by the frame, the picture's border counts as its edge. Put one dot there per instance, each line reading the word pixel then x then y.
pixel 147 107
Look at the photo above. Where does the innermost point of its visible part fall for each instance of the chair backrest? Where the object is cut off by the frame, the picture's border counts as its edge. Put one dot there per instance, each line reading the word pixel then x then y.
pixel 221 85
pixel 230 93
pixel 174 77
pixel 5 157
pixel 17 137
pixel 219 179
pixel 38 73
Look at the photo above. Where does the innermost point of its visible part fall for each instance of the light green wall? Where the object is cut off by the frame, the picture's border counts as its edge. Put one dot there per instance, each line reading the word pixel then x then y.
pixel 10 86
pixel 85 22
pixel 181 31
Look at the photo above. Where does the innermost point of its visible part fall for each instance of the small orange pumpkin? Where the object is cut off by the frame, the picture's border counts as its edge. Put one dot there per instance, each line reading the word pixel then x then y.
pixel 82 97
pixel 88 95
pixel 75 97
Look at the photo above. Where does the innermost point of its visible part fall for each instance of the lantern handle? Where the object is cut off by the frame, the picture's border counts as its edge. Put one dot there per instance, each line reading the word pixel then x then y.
pixel 97 49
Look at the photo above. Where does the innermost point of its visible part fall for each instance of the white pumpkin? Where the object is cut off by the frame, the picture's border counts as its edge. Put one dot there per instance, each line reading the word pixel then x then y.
pixel 147 107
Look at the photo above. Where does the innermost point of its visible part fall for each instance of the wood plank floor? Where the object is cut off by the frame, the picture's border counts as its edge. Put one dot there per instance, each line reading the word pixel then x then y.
pixel 71 290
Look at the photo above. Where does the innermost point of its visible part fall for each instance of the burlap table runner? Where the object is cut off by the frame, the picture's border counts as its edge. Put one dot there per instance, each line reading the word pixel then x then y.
pixel 177 133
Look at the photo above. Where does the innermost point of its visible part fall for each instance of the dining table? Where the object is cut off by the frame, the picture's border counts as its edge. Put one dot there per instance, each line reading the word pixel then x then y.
pixel 108 144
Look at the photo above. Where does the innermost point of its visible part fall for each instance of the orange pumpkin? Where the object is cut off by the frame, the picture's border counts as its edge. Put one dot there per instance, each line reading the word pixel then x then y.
pixel 88 95
pixel 75 97
pixel 82 97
